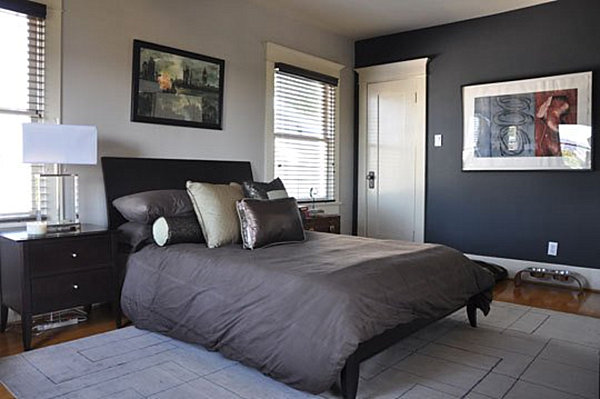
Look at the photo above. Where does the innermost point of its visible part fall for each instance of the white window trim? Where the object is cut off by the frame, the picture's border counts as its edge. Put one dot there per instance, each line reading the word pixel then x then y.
pixel 277 53
pixel 53 60
pixel 52 75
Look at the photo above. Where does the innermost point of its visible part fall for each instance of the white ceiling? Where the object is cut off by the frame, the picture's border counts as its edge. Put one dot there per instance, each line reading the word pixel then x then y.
pixel 359 19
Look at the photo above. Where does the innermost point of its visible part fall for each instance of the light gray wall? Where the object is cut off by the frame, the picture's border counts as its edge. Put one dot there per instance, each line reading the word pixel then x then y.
pixel 97 55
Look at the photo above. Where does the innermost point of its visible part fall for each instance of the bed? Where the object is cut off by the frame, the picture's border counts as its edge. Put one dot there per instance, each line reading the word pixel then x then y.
pixel 304 313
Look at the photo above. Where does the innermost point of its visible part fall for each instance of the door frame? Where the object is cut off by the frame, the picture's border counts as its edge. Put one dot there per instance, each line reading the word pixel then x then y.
pixel 404 70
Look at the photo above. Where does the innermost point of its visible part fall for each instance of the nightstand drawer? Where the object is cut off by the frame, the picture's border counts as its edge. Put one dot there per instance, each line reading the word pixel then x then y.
pixel 54 256
pixel 325 224
pixel 73 289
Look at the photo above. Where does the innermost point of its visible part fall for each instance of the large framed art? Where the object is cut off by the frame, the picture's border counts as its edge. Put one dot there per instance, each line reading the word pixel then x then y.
pixel 176 87
pixel 533 124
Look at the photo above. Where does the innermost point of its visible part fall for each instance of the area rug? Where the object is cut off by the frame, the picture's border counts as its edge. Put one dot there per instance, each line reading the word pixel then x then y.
pixel 516 352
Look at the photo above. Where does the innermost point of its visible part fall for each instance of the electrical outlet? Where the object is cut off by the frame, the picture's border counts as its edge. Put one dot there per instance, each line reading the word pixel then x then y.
pixel 552 248
pixel 437 140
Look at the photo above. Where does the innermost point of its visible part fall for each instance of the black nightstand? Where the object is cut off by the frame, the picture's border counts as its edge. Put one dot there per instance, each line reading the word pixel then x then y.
pixel 41 274
pixel 323 222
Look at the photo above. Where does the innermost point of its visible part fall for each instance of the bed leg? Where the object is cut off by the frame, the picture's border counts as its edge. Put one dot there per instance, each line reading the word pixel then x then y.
pixel 349 379
pixel 472 314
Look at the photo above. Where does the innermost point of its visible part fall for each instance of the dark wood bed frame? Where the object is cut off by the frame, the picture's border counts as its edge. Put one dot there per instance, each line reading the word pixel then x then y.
pixel 123 176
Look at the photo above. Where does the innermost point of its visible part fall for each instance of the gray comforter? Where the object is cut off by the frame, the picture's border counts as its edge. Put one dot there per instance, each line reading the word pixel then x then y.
pixel 295 311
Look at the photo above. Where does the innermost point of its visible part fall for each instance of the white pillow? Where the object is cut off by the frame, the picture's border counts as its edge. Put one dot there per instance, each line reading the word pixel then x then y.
pixel 277 194
pixel 214 205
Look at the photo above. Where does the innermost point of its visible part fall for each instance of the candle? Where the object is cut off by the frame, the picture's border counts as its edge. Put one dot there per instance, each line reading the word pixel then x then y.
pixel 37 228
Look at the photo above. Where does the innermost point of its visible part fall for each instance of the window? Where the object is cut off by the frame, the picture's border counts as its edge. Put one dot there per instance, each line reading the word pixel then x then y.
pixel 22 41
pixel 304 130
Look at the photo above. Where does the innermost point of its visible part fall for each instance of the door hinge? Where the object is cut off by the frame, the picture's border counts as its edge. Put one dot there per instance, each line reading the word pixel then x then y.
pixel 416 97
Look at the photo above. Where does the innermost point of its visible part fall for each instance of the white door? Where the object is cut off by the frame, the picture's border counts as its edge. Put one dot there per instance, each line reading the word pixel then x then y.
pixel 391 160
pixel 391 183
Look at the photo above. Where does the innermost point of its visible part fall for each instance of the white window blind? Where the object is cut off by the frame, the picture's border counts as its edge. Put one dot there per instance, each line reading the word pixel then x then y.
pixel 304 130
pixel 22 45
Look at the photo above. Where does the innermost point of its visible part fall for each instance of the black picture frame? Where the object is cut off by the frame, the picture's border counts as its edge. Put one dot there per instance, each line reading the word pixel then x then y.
pixel 176 87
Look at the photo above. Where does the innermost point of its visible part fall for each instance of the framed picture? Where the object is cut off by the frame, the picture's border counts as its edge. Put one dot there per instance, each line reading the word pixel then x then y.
pixel 176 87
pixel 533 124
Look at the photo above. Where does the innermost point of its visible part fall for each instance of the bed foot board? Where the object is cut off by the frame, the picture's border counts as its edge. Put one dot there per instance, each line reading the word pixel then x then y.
pixel 349 379
pixel 472 314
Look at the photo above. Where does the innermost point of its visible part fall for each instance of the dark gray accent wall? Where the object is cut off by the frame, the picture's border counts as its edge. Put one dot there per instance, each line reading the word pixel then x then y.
pixel 504 214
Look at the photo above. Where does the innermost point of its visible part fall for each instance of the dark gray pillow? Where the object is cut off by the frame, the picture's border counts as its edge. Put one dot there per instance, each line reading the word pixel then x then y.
pixel 135 236
pixel 267 222
pixel 176 229
pixel 147 206
pixel 265 191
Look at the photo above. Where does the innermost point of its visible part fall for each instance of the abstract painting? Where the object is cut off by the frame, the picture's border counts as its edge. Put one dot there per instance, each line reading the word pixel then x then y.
pixel 176 87
pixel 533 124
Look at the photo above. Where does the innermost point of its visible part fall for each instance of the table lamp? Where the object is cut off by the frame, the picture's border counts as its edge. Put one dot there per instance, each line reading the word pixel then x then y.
pixel 57 193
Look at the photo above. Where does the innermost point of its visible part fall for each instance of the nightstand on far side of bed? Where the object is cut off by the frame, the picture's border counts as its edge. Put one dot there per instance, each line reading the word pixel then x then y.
pixel 56 271
pixel 325 223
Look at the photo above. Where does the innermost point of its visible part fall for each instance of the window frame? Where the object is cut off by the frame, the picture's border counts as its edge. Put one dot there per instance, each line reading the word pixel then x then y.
pixel 52 87
pixel 279 54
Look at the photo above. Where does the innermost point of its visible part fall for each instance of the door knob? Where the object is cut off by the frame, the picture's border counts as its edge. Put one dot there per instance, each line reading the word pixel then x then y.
pixel 371 179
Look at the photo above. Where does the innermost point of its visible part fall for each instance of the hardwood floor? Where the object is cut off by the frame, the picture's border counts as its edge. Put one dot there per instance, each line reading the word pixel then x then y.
pixel 100 320
pixel 5 393
pixel 529 294
pixel 546 296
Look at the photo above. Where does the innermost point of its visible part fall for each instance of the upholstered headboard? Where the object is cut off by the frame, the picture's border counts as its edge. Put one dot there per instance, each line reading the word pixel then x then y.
pixel 123 176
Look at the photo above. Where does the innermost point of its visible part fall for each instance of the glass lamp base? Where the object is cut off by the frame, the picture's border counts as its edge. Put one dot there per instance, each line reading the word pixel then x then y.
pixel 58 201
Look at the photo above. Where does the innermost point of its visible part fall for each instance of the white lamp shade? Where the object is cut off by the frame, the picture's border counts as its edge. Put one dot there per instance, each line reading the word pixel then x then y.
pixel 63 144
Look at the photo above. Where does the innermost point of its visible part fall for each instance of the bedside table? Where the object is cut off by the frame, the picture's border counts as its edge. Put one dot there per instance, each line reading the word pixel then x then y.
pixel 323 222
pixel 56 271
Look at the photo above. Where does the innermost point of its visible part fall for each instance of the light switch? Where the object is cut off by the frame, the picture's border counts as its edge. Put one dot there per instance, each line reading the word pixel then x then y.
pixel 437 140
pixel 552 248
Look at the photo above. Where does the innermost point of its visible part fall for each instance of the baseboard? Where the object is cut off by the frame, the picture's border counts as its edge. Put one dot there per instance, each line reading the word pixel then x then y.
pixel 592 276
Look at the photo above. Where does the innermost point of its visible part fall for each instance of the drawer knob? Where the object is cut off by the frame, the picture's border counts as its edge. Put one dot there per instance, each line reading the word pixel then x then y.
pixel 75 287
pixel 74 255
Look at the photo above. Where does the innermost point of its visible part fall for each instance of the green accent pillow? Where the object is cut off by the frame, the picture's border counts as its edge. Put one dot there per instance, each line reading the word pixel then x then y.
pixel 214 205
